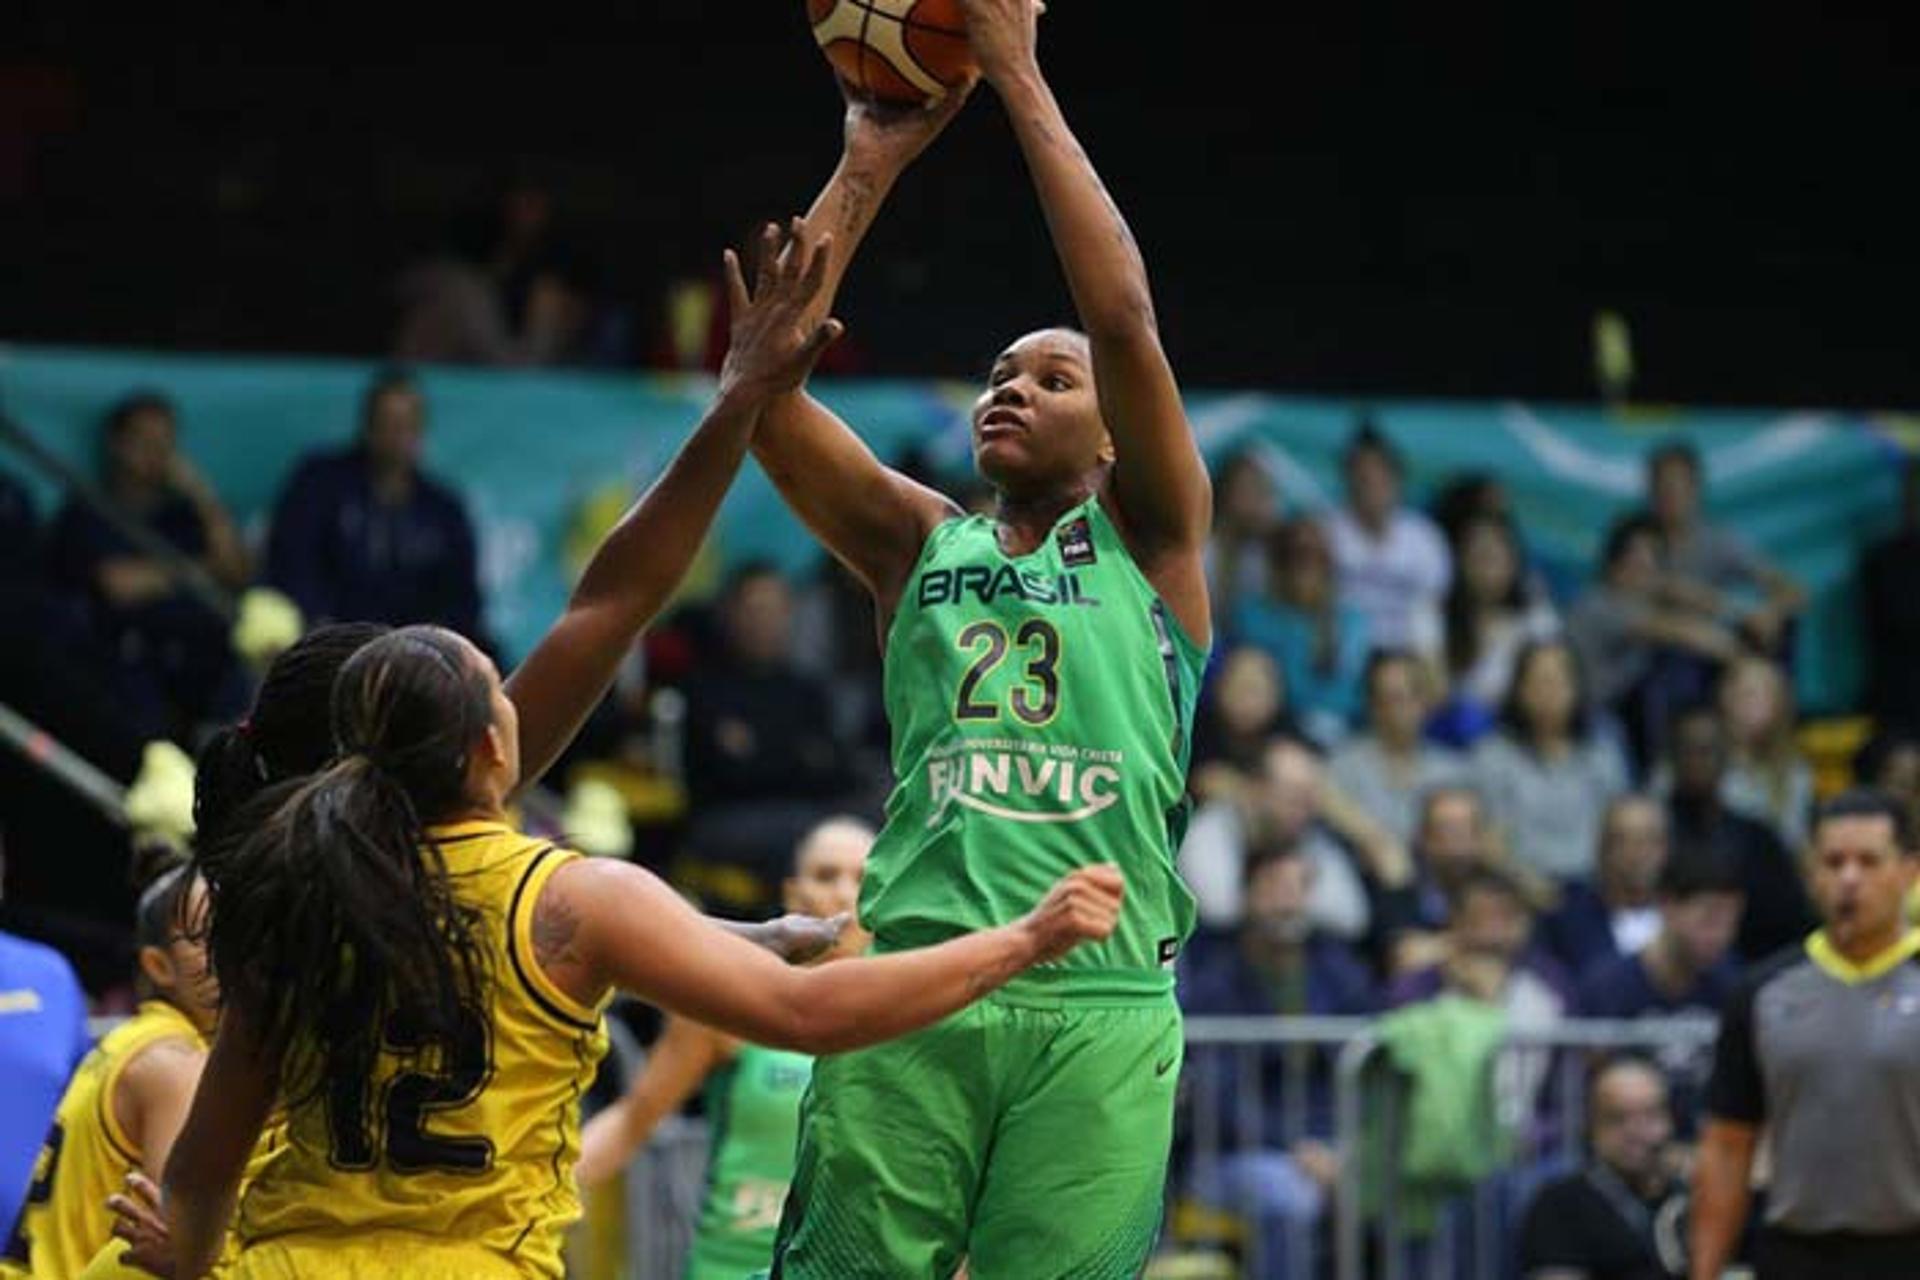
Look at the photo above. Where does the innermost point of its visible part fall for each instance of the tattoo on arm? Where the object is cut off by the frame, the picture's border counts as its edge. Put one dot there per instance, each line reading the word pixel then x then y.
pixel 554 924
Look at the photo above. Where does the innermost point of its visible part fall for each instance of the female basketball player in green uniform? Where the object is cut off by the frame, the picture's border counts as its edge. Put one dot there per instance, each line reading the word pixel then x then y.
pixel 753 1093
pixel 1041 670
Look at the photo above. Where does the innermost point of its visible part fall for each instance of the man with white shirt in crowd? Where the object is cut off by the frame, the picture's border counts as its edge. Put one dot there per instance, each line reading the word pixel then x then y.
pixel 1619 912
pixel 1392 562
pixel 1282 806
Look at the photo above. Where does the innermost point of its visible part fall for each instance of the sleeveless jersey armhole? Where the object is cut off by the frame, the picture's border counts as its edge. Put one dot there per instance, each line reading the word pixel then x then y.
pixel 545 994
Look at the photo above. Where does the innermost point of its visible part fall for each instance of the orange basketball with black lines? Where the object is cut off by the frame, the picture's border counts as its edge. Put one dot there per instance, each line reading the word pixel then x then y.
pixel 899 51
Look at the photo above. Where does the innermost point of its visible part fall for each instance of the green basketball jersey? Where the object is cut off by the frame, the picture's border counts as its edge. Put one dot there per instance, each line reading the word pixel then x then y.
pixel 753 1105
pixel 1041 708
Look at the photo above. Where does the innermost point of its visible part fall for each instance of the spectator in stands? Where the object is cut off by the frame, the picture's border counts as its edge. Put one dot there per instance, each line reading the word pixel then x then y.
pixel 1488 954
pixel 1392 560
pixel 57 673
pixel 1549 772
pixel 43 1036
pixel 1890 601
pixel 1451 841
pixel 505 290
pixel 1276 1170
pixel 1767 776
pixel 1389 767
pixel 1686 972
pixel 1283 807
pixel 1466 497
pixel 1246 511
pixel 1618 912
pixel 1778 911
pixel 1240 715
pixel 1319 643
pixel 763 765
pixel 1708 563
pixel 53 670
pixel 1626 627
pixel 1621 1217
pixel 161 614
pixel 365 535
pixel 1471 640
pixel 1890 762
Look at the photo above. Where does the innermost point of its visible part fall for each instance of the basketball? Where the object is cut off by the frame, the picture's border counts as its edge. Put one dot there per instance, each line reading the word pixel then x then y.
pixel 898 51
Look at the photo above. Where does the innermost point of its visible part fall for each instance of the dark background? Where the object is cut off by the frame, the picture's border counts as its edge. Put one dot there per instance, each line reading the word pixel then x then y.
pixel 1332 198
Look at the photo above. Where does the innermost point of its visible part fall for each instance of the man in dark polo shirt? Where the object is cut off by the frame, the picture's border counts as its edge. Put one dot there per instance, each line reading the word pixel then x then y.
pixel 1821 1047
pixel 1620 1217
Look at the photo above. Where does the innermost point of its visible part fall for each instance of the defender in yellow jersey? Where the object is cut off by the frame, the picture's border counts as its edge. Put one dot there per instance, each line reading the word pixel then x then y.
pixel 470 1138
pixel 129 1096
pixel 368 983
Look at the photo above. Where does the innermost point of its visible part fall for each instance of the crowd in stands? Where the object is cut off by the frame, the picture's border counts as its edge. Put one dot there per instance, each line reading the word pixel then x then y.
pixel 1421 766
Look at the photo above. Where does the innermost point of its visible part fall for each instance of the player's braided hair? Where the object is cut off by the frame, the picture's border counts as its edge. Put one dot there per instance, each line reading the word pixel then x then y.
pixel 333 913
pixel 288 733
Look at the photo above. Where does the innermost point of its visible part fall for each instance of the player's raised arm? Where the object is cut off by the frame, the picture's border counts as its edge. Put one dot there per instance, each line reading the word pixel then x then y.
pixel 872 518
pixel 778 332
pixel 1160 482
pixel 599 923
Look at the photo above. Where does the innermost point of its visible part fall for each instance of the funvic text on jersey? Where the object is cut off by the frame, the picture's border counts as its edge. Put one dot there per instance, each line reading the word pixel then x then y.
pixel 1032 783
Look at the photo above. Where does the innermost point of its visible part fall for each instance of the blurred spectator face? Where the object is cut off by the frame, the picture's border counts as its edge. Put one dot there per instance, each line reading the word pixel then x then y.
pixel 1703 925
pixel 1630 1123
pixel 140 449
pixel 1373 486
pixel 1248 697
pixel 1699 755
pixel 1304 568
pixel 759 619
pixel 396 422
pixel 1637 568
pixel 1860 879
pixel 1245 497
pixel 1633 847
pixel 1491 923
pixel 827 871
pixel 1899 774
pixel 1289 794
pixel 1754 702
pixel 1452 833
pixel 1277 892
pixel 1489 562
pixel 1397 703
pixel 1676 493
pixel 1549 691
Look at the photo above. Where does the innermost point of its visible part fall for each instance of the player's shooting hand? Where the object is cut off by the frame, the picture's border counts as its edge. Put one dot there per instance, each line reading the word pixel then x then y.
pixel 775 339
pixel 1005 35
pixel 1084 906
pixel 892 136
pixel 138 1219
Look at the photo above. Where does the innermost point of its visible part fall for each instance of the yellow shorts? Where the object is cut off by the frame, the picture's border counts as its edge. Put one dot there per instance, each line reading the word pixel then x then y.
pixel 371 1256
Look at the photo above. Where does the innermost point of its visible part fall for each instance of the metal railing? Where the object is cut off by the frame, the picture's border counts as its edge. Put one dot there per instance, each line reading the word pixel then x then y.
pixel 1328 1079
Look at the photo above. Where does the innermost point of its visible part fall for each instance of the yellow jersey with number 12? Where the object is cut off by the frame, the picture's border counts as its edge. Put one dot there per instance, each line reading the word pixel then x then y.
pixel 456 1157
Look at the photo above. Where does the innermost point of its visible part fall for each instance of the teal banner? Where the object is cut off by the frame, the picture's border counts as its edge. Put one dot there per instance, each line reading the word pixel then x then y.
pixel 546 460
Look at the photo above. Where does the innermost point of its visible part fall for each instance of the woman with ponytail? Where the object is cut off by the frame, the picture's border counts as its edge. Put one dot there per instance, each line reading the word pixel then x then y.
pixel 128 1098
pixel 422 986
